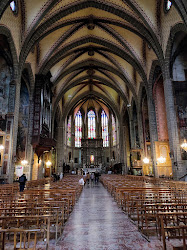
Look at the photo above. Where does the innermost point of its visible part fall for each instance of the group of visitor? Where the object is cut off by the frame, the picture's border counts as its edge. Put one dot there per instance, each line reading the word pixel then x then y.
pixel 90 177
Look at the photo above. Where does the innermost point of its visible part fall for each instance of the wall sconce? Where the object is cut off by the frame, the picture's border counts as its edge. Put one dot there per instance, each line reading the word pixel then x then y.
pixel 48 163
pixel 1 147
pixel 184 145
pixel 161 159
pixel 146 160
pixel 24 162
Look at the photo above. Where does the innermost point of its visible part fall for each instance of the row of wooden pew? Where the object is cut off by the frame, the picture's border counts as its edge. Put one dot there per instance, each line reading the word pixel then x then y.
pixel 39 212
pixel 157 206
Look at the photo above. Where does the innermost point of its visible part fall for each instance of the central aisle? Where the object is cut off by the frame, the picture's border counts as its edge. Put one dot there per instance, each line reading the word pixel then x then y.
pixel 97 223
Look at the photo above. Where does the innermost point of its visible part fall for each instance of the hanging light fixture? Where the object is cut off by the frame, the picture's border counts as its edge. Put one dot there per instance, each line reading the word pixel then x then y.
pixel 184 145
pixel 161 159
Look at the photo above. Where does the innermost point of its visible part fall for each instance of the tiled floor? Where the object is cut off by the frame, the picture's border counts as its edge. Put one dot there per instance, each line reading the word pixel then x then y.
pixel 97 223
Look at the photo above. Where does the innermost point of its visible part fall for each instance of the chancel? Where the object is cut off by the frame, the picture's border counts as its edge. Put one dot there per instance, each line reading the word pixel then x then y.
pixel 93 90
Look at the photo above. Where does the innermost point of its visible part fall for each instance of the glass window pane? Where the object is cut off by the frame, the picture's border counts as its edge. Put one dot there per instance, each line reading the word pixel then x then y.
pixel 113 131
pixel 104 125
pixel 69 132
pixel 78 129
pixel 91 124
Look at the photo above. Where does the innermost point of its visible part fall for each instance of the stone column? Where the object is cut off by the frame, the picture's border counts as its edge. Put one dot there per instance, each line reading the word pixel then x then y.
pixel 99 127
pixel 140 127
pixel 72 141
pixel 110 136
pixel 124 138
pixel 178 168
pixel 121 144
pixel 60 148
pixel 15 130
pixel 132 135
pixel 152 127
pixel 29 149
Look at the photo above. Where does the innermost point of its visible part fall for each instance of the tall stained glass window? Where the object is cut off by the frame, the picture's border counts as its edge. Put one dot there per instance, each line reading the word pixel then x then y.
pixel 69 132
pixel 113 131
pixel 78 129
pixel 91 124
pixel 104 125
pixel 167 5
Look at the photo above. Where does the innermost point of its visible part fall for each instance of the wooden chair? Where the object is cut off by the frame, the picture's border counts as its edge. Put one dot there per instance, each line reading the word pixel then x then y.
pixel 21 237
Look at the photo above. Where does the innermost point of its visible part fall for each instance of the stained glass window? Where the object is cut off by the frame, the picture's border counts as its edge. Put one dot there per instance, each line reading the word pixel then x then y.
pixel 113 131
pixel 13 7
pixel 92 158
pixel 69 132
pixel 91 124
pixel 104 125
pixel 78 129
pixel 167 5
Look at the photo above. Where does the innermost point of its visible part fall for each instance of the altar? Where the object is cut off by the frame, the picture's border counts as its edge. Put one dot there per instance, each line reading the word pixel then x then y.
pixel 91 153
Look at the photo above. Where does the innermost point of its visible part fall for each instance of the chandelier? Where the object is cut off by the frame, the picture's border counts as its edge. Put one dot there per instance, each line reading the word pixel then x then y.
pixel 184 145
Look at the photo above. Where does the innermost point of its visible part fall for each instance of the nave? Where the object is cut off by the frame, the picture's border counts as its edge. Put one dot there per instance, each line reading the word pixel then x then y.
pixel 98 223
pixel 119 212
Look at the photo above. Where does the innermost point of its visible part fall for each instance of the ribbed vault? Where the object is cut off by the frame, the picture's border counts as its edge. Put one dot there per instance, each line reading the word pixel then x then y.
pixel 106 47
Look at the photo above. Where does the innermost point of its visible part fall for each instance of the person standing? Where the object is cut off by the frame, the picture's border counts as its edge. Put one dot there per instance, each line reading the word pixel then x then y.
pixel 61 176
pixel 22 181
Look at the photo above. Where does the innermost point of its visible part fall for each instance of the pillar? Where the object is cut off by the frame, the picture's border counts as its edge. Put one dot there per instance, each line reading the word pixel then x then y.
pixel 152 127
pixel 15 131
pixel 60 148
pixel 178 169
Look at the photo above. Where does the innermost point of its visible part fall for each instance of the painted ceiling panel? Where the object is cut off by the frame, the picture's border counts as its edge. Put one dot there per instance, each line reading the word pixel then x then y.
pixel 168 20
pixel 148 8
pixel 87 12
pixel 50 40
pixel 134 42
pixel 72 93
pixel 127 66
pixel 13 23
pixel 97 32
pixel 96 57
pixel 33 9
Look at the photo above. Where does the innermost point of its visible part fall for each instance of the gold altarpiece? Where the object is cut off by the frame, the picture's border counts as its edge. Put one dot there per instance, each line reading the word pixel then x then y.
pixel 162 150
pixel 91 153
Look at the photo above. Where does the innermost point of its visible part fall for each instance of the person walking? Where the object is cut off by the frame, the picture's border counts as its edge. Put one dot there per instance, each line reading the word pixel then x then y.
pixel 92 178
pixel 96 176
pixel 88 178
pixel 22 181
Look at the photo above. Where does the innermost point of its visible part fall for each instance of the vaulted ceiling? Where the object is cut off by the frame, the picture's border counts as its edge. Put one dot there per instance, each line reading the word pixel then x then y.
pixel 97 52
